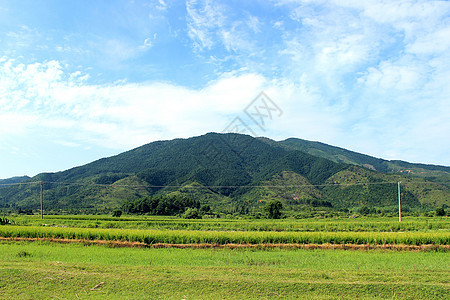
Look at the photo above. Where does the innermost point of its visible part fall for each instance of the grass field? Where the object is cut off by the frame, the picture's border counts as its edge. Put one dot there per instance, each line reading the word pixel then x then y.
pixel 51 271
pixel 153 236
pixel 370 224
pixel 44 270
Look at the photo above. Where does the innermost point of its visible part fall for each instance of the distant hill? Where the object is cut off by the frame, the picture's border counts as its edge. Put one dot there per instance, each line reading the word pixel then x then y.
pixel 430 172
pixel 14 180
pixel 231 173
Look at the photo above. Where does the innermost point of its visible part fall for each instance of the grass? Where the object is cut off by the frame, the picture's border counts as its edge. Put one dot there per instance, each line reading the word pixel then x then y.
pixel 55 271
pixel 44 270
pixel 370 224
pixel 153 236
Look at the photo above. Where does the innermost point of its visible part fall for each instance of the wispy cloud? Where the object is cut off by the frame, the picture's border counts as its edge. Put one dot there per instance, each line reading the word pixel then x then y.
pixel 203 20
pixel 213 25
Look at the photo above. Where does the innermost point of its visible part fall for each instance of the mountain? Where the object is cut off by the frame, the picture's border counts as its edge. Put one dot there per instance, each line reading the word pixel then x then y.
pixel 229 173
pixel 14 180
pixel 430 172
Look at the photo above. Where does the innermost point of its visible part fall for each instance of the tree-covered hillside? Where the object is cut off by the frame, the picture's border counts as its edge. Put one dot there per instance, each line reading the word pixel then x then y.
pixel 14 180
pixel 430 172
pixel 227 172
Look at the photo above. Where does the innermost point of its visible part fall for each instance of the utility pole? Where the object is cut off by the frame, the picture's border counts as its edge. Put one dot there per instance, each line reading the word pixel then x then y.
pixel 42 199
pixel 399 204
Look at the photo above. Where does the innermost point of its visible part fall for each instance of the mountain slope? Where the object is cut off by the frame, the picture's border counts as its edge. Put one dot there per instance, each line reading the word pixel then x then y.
pixel 14 180
pixel 229 172
pixel 431 172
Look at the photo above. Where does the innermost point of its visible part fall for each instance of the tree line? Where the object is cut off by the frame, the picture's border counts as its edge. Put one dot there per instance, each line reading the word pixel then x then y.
pixel 167 205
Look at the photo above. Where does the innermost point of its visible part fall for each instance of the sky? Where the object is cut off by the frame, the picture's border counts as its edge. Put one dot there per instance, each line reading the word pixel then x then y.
pixel 81 79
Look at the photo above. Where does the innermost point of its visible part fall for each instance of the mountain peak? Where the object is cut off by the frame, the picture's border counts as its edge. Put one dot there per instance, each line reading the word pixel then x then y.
pixel 226 170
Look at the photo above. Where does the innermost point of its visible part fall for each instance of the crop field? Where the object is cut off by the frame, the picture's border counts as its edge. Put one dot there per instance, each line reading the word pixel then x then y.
pixel 223 259
pixel 374 224
pixel 152 236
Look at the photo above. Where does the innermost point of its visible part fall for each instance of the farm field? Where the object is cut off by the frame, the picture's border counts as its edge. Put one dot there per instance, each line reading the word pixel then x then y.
pixel 223 258
pixel 369 224
pixel 154 236
pixel 42 270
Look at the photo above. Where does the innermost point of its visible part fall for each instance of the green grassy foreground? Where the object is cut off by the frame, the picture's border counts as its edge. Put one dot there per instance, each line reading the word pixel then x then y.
pixel 40 270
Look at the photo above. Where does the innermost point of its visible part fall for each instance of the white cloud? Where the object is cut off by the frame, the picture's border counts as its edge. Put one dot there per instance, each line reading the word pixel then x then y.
pixel 24 36
pixel 147 44
pixel 254 24
pixel 16 123
pixel 402 75
pixel 117 116
pixel 162 5
pixel 377 69
pixel 435 42
pixel 203 19
pixel 118 50
pixel 212 25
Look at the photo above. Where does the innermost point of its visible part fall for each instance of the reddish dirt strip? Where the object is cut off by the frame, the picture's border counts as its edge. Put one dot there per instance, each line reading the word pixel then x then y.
pixel 119 244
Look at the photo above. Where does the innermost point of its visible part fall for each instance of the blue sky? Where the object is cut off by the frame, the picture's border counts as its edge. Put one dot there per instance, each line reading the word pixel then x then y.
pixel 81 80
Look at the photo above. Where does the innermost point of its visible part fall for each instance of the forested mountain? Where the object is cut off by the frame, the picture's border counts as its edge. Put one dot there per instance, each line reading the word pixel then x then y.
pixel 430 172
pixel 14 180
pixel 229 173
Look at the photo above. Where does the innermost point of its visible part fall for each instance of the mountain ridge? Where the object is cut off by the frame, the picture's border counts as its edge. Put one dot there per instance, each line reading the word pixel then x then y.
pixel 14 180
pixel 225 167
pixel 333 152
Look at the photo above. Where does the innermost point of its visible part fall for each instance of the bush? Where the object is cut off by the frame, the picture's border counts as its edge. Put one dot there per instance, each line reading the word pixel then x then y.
pixel 440 212
pixel 5 221
pixel 273 209
pixel 191 213
pixel 23 253
pixel 117 213
pixel 169 205
pixel 364 210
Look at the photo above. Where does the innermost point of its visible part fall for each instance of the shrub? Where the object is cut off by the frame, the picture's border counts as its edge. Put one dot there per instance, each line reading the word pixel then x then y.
pixel 4 221
pixel 273 209
pixel 170 205
pixel 440 211
pixel 191 213
pixel 117 213
pixel 23 253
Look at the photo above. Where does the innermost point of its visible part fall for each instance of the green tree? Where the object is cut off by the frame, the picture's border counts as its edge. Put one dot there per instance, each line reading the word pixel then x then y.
pixel 440 211
pixel 273 209
pixel 4 221
pixel 364 210
pixel 191 213
pixel 117 213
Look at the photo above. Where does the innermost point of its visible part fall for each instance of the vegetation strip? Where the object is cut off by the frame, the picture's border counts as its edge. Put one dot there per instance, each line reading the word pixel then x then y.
pixel 113 244
pixel 228 237
pixel 378 224
pixel 327 246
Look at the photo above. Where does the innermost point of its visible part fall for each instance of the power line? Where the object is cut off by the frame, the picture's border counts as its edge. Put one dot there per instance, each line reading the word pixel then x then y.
pixel 214 186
